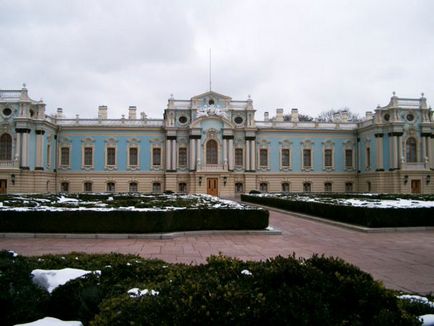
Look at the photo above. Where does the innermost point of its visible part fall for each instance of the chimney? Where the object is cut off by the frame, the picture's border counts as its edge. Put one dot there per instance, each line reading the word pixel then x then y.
pixel 294 115
pixel 59 113
pixel 102 112
pixel 368 115
pixel 132 113
pixel 266 116
pixel 143 115
pixel 279 114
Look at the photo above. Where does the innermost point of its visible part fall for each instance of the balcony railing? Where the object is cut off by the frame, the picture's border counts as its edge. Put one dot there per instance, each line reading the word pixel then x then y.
pixel 414 166
pixel 10 164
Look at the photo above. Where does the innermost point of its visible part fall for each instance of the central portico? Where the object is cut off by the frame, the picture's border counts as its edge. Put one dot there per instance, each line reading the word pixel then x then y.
pixel 204 135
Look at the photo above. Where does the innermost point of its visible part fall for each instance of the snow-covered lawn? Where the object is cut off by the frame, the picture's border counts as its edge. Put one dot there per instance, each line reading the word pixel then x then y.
pixel 50 321
pixel 142 203
pixel 369 201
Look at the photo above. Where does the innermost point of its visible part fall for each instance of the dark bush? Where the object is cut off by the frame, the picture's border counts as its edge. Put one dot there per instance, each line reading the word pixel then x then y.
pixel 363 216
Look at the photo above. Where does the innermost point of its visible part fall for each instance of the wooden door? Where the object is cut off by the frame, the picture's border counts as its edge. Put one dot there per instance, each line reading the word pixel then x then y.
pixel 415 186
pixel 3 186
pixel 212 186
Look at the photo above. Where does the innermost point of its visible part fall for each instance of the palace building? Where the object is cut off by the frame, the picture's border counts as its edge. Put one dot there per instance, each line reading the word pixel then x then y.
pixel 214 144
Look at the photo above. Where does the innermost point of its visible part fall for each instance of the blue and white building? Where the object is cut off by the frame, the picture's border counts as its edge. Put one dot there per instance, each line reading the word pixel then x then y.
pixel 214 144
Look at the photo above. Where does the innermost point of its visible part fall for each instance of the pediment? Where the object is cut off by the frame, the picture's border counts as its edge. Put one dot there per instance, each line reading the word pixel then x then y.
pixel 211 94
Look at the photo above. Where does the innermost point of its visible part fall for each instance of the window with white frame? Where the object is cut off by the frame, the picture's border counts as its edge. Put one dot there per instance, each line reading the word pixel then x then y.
pixel 182 157
pixel 411 150
pixel 133 186
pixel 87 186
pixel 239 187
pixel 111 156
pixel 285 158
pixel 307 187
pixel 348 187
pixel 348 158
pixel 211 152
pixel 156 187
pixel 285 187
pixel 88 156
pixel 111 187
pixel 5 147
pixel 238 157
pixel 328 187
pixel 328 158
pixel 48 155
pixel 307 158
pixel 133 156
pixel 263 187
pixel 64 156
pixel 263 157
pixel 156 156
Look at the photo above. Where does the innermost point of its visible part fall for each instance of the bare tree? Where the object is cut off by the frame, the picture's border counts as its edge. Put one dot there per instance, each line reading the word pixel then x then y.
pixel 301 117
pixel 328 116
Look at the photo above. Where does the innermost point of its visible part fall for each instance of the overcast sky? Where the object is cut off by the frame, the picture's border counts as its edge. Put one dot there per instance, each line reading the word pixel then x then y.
pixel 311 55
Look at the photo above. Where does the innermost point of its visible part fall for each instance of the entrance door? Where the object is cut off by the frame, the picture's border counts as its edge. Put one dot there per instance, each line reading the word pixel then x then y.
pixel 3 186
pixel 212 186
pixel 415 186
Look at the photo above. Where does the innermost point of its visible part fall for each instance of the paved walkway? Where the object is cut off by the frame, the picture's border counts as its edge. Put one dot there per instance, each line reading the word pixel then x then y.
pixel 402 260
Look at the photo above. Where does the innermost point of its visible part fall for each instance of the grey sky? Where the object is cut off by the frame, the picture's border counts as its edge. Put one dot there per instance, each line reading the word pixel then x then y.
pixel 313 55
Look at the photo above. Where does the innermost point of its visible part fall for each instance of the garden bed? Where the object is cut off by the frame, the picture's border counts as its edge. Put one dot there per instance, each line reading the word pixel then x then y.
pixel 125 213
pixel 120 289
pixel 368 210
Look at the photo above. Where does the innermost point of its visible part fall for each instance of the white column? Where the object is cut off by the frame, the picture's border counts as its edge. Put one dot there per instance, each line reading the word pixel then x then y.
pixel 431 151
pixel 248 155
pixel 392 154
pixel 174 158
pixel 231 154
pixel 192 154
pixel 18 148
pixel 253 154
pixel 25 147
pixel 379 140
pixel 399 151
pixel 198 155
pixel 225 154
pixel 168 154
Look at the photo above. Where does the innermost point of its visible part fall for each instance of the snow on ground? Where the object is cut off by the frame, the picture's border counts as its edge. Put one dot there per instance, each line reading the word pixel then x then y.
pixel 13 253
pixel 359 202
pixel 246 272
pixel 136 292
pixel 51 279
pixel 427 320
pixel 50 321
pixel 416 298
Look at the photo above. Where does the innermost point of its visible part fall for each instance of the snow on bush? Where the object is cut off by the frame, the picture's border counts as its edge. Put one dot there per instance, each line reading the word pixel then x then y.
pixel 50 321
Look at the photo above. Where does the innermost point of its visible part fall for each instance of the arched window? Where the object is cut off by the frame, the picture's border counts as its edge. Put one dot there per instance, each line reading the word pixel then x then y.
pixel 211 152
pixel 5 147
pixel 411 150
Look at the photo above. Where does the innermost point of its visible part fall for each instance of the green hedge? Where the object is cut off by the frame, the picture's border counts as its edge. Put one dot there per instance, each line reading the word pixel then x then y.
pixel 363 216
pixel 280 291
pixel 119 221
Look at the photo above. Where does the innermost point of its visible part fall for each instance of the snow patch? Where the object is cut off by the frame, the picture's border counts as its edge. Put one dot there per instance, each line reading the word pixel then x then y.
pixel 50 321
pixel 51 279
pixel 416 298
pixel 13 253
pixel 136 292
pixel 246 272
pixel 427 320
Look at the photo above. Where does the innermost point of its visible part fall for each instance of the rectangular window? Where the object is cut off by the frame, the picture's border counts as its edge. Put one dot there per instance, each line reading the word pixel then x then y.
pixel 111 156
pixel 307 187
pixel 182 157
pixel 328 161
pixel 64 156
pixel 238 157
pixel 156 187
pixel 88 156
pixel 348 187
pixel 133 156
pixel 133 187
pixel 156 156
pixel 285 187
pixel 328 187
pixel 285 157
pixel 368 158
pixel 348 158
pixel 88 186
pixel 64 187
pixel 111 187
pixel 263 157
pixel 307 158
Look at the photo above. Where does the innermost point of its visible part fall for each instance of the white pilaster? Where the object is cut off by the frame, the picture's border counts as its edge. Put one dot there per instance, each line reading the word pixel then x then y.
pixel 168 154
pixel 380 164
pixel 18 149
pixel 198 155
pixel 253 155
pixel 174 158
pixel 231 154
pixel 225 154
pixel 25 152
pixel 431 152
pixel 248 155
pixel 192 154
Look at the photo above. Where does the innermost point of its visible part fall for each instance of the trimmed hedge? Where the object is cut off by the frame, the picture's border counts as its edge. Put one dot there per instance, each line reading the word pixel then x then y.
pixel 280 291
pixel 119 221
pixel 363 216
